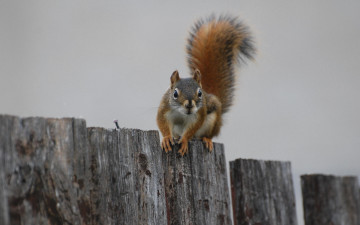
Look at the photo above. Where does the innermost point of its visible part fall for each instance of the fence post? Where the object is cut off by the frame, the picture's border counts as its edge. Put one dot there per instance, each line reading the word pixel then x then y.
pixel 127 177
pixel 56 171
pixel 4 143
pixel 37 160
pixel 262 192
pixel 196 186
pixel 330 200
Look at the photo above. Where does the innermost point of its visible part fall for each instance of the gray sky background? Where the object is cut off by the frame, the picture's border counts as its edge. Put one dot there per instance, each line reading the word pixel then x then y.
pixel 106 60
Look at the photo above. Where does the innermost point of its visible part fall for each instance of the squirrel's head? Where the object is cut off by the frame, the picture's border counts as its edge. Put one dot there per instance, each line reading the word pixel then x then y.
pixel 186 95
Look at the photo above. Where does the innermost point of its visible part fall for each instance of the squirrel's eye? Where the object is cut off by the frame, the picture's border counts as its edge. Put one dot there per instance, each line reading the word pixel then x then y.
pixel 199 93
pixel 176 93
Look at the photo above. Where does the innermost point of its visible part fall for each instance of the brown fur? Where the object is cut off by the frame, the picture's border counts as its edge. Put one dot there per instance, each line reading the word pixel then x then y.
pixel 164 125
pixel 213 104
pixel 215 47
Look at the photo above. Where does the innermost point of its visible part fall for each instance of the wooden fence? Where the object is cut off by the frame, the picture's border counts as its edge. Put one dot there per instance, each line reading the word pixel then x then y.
pixel 58 171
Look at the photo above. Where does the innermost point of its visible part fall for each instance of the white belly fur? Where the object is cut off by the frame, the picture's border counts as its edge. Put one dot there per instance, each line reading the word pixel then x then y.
pixel 181 122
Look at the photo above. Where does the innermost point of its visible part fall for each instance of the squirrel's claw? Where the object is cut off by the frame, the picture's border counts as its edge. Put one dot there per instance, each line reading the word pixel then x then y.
pixel 208 143
pixel 166 143
pixel 184 147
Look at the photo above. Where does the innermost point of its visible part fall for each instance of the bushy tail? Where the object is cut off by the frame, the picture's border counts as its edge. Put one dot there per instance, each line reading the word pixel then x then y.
pixel 215 47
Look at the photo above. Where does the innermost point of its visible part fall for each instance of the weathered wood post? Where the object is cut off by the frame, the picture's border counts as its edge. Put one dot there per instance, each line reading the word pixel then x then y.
pixel 197 186
pixel 330 200
pixel 42 163
pixel 127 177
pixel 262 192
pixel 4 215
pixel 56 171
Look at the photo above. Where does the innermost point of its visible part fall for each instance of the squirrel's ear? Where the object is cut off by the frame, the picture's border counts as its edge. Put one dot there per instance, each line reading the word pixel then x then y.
pixel 197 76
pixel 174 77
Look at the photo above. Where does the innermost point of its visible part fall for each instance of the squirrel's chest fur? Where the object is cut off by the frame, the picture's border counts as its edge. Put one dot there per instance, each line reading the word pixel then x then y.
pixel 181 122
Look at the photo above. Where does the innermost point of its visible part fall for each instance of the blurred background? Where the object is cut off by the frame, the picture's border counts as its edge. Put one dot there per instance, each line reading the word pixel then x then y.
pixel 106 60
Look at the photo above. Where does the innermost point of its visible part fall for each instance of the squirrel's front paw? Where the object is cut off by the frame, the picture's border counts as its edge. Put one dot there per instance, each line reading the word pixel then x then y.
pixel 166 143
pixel 208 143
pixel 184 146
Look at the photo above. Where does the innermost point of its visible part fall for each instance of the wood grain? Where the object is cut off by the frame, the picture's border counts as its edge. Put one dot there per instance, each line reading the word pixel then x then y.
pixel 330 200
pixel 58 171
pixel 262 192
pixel 196 186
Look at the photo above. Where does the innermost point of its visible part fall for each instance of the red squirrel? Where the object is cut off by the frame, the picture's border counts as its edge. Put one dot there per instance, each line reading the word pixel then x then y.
pixel 193 107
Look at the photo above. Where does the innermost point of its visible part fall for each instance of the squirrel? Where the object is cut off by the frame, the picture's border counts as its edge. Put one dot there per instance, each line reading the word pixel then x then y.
pixel 193 107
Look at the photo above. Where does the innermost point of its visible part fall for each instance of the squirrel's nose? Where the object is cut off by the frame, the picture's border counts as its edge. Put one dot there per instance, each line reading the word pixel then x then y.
pixel 189 105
